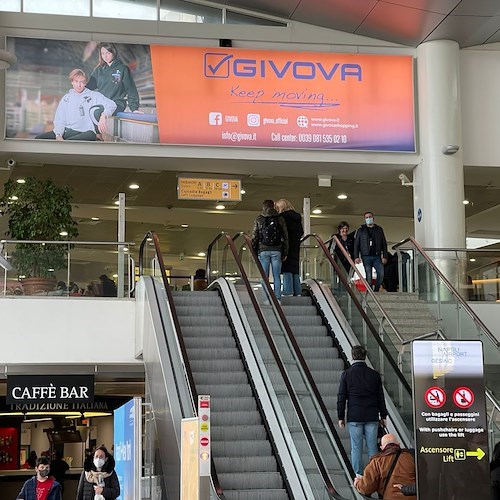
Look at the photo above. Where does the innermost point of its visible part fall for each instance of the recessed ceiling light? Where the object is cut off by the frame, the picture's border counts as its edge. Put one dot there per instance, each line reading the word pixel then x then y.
pixel 220 206
pixel 184 225
pixel 472 259
pixel 149 239
pixel 317 211
pixel 466 202
pixel 202 254
pixel 95 218
pixel 342 197
pixel 115 275
pixel 63 233
pixel 21 181
pixel 242 191
pixel 13 197
pixel 125 249
pixel 50 270
pixel 117 202
pixel 134 186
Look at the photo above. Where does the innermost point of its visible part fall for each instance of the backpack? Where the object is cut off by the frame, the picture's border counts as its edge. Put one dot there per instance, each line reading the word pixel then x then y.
pixel 271 234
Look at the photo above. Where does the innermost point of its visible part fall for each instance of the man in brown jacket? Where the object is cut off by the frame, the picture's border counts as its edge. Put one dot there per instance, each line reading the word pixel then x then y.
pixel 375 476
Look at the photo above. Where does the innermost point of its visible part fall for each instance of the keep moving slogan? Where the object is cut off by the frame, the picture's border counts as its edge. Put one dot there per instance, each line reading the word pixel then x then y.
pixel 284 99
pixel 450 420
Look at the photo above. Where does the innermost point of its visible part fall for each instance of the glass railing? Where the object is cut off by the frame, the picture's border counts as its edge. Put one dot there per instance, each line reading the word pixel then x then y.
pixel 367 319
pixel 305 419
pixel 66 268
pixel 428 274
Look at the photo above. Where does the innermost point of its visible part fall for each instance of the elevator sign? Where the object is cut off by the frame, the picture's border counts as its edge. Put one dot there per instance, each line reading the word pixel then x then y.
pixel 208 189
pixel 451 439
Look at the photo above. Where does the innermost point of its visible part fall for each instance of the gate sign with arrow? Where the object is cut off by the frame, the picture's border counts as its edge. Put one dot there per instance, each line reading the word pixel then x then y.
pixel 189 188
pixel 451 437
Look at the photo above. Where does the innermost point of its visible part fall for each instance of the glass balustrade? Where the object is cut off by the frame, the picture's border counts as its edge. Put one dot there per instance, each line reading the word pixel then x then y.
pixel 69 269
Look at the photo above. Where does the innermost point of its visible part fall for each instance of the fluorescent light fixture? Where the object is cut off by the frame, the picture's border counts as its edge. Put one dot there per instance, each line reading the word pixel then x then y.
pixel 95 218
pixel 472 243
pixel 184 225
pixel 342 197
pixel 472 259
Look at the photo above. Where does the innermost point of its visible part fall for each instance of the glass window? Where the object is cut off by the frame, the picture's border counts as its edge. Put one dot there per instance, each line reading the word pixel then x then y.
pixel 126 9
pixel 10 5
pixel 177 10
pixel 235 18
pixel 73 8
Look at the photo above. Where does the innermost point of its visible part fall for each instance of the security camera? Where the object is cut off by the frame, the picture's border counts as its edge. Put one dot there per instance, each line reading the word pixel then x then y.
pixel 11 162
pixel 404 180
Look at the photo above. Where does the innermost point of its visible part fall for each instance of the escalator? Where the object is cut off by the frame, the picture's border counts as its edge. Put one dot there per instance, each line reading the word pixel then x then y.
pixel 202 343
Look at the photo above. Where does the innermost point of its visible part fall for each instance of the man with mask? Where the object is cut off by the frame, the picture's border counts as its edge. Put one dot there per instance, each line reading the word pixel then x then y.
pixel 370 244
pixel 41 486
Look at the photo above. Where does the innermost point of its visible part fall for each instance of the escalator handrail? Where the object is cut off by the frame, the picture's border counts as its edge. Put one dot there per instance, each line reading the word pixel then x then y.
pixel 279 363
pixel 300 357
pixel 360 309
pixel 180 339
pixel 451 289
pixel 368 288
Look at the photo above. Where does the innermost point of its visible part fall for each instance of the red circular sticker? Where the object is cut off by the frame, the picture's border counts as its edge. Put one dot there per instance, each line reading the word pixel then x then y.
pixel 435 397
pixel 204 441
pixel 463 397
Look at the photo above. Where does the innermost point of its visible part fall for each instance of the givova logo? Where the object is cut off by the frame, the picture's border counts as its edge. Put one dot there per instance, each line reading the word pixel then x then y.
pixel 222 65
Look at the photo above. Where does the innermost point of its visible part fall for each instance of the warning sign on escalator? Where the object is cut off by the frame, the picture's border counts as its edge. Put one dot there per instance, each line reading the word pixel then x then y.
pixel 451 438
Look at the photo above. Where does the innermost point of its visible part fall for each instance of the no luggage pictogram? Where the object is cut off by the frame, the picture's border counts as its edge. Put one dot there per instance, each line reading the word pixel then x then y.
pixel 463 397
pixel 435 397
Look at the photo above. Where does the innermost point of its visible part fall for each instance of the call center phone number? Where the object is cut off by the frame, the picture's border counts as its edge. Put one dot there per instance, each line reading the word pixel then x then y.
pixel 323 138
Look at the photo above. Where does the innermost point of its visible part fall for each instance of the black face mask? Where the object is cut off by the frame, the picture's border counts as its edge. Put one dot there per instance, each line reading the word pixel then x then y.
pixel 44 472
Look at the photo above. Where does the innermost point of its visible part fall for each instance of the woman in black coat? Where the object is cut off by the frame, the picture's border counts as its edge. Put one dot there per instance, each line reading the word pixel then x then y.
pixel 347 241
pixel 495 472
pixel 290 267
pixel 98 477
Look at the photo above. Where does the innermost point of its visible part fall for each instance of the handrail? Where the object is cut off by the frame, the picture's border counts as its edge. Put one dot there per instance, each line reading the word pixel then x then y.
pixel 362 312
pixel 300 357
pixel 180 339
pixel 279 363
pixel 368 287
pixel 209 255
pixel 451 289
pixel 70 242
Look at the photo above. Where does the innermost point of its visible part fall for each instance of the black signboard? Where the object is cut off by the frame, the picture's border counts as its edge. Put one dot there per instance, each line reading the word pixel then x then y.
pixel 451 438
pixel 34 389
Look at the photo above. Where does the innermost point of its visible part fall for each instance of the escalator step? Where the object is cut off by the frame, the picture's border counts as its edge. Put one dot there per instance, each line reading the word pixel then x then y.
pixel 221 377
pixel 245 432
pixel 214 365
pixel 202 331
pixel 246 464
pixel 256 495
pixel 212 354
pixel 213 342
pixel 224 418
pixel 231 404
pixel 256 480
pixel 204 311
pixel 241 448
pixel 226 390
pixel 209 321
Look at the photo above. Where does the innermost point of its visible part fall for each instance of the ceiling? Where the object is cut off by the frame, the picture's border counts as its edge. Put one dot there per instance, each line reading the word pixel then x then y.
pixel 407 22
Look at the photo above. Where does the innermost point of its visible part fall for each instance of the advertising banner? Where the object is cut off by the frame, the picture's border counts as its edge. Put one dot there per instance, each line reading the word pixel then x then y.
pixel 240 97
pixel 67 90
pixel 451 436
pixel 127 448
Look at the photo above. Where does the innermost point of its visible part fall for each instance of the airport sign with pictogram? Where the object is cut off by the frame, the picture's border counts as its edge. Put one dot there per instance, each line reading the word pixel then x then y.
pixel 208 189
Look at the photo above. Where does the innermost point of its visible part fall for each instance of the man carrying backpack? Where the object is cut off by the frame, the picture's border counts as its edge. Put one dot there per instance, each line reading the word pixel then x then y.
pixel 270 242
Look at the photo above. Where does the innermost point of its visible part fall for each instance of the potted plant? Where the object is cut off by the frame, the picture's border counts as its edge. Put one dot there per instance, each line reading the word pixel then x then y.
pixel 38 210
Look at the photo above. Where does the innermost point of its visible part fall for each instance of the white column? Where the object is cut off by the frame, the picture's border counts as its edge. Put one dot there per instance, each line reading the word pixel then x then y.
pixel 439 179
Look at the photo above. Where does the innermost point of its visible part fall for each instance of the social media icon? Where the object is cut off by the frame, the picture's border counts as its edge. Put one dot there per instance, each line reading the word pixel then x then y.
pixel 215 118
pixel 253 119
pixel 217 65
pixel 302 121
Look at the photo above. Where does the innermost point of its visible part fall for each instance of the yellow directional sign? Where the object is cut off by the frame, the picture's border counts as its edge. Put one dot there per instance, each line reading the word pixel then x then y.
pixel 479 453
pixel 208 189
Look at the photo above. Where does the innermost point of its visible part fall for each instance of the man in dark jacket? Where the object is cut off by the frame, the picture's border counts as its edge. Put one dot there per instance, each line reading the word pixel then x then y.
pixel 376 475
pixel 362 388
pixel 371 245
pixel 270 242
pixel 41 486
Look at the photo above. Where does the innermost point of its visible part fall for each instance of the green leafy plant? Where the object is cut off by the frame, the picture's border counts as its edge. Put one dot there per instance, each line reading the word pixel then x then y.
pixel 38 210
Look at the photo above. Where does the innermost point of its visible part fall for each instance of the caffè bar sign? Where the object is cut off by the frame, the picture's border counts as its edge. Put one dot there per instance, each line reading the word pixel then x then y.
pixel 24 389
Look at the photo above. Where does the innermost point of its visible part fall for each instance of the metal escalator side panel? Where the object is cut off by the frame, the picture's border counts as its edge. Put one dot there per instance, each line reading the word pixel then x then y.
pixel 279 432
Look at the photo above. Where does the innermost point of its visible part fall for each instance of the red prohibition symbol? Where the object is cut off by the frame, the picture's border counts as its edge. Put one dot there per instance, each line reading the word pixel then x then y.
pixel 463 397
pixel 435 397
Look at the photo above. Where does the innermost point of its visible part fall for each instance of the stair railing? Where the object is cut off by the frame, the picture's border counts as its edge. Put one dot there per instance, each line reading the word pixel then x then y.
pixel 152 237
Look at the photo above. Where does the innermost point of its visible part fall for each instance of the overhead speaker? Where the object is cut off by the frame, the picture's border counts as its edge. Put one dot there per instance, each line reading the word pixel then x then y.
pixel 225 42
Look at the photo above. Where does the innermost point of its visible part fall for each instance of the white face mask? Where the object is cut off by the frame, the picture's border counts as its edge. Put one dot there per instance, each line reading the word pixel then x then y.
pixel 98 462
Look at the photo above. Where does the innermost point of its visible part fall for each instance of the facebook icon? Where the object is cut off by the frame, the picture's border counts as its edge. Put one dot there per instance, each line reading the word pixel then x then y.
pixel 215 118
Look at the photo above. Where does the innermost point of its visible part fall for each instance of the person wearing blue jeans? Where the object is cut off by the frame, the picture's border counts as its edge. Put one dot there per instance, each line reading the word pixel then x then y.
pixel 370 247
pixel 361 388
pixel 270 242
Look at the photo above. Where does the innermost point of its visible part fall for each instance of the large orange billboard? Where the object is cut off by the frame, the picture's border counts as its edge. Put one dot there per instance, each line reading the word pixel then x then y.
pixel 260 98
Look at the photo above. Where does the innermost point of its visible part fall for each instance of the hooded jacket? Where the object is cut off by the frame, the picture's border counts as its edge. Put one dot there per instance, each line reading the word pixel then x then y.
pixel 115 81
pixel 257 244
pixel 375 473
pixel 111 489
